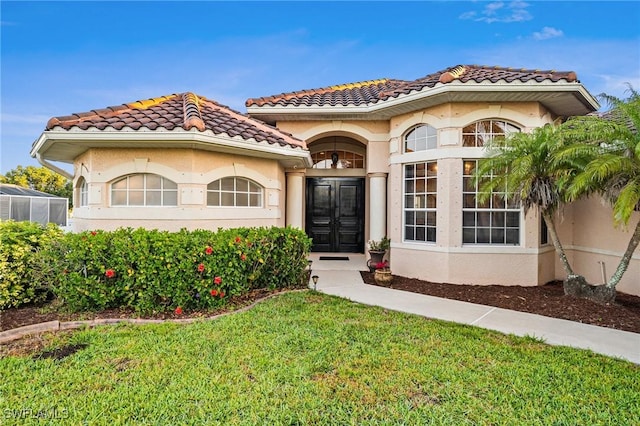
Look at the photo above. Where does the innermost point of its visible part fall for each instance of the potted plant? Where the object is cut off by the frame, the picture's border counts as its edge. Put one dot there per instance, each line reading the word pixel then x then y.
pixel 377 250
pixel 383 273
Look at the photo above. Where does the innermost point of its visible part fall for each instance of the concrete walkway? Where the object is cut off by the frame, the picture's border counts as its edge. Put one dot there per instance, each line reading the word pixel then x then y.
pixel 342 278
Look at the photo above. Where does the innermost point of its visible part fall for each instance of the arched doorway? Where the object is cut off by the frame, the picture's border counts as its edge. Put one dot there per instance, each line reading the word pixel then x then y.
pixel 335 200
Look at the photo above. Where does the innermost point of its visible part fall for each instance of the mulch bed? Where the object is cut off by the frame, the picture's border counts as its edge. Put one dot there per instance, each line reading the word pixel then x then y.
pixel 547 300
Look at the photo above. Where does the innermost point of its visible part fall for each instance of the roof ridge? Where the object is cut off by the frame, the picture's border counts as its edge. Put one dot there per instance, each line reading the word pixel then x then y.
pixel 192 115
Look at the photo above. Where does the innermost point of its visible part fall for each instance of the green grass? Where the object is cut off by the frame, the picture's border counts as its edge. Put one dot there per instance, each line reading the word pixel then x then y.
pixel 306 358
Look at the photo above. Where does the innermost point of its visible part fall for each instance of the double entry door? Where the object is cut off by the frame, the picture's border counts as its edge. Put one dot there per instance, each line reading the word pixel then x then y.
pixel 335 214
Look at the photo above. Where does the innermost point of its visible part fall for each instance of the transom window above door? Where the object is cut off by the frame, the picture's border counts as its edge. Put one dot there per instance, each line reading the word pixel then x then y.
pixel 234 192
pixel 421 138
pixel 337 159
pixel 481 132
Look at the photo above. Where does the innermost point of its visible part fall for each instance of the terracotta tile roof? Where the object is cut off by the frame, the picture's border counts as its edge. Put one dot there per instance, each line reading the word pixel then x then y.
pixel 373 91
pixel 178 111
pixel 360 93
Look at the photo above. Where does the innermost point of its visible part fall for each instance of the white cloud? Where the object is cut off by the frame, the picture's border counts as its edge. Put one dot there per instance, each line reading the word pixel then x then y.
pixel 515 11
pixel 547 33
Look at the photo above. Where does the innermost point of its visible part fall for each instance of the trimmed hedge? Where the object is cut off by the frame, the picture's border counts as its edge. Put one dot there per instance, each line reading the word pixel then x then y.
pixel 159 271
pixel 18 242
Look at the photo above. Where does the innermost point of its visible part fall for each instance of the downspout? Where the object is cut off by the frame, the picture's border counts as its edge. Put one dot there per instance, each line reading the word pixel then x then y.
pixel 53 167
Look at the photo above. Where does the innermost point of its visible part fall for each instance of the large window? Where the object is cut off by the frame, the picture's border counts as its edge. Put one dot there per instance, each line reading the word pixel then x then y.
pixel 481 132
pixel 421 138
pixel 144 189
pixel 83 192
pixel 420 200
pixel 496 221
pixel 234 192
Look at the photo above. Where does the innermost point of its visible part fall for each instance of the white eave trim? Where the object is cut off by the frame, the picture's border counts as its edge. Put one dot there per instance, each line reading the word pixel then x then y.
pixel 193 139
pixel 438 89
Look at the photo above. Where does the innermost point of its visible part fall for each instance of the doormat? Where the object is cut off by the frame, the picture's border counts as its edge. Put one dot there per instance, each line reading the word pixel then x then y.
pixel 334 258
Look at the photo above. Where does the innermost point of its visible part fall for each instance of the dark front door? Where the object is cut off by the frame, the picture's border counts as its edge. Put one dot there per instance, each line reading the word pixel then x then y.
pixel 335 214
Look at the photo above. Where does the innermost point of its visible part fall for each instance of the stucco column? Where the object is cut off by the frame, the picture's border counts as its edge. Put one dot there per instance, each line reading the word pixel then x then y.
pixel 294 200
pixel 377 206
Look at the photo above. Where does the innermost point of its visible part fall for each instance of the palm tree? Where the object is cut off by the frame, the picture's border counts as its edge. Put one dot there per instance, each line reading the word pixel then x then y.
pixel 611 144
pixel 523 164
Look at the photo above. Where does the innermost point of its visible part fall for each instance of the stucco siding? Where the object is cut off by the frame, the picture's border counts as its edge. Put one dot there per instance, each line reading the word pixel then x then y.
pixel 192 171
pixel 595 242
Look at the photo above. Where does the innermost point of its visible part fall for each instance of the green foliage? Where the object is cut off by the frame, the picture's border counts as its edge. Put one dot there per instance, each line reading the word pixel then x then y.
pixel 382 245
pixel 159 271
pixel 305 358
pixel 609 145
pixel 525 165
pixel 40 179
pixel 19 242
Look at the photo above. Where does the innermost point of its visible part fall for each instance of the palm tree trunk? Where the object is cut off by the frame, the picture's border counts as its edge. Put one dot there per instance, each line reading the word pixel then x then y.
pixel 626 258
pixel 551 226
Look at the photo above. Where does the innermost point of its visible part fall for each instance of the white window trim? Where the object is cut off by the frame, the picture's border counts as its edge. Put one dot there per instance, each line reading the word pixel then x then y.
pixel 162 191
pixel 426 210
pixel 506 209
pixel 235 192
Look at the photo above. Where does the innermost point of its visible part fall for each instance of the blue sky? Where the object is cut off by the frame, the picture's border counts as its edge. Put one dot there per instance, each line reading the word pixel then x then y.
pixel 58 58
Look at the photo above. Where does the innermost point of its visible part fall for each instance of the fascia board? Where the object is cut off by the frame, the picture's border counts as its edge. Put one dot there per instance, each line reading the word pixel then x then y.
pixel 196 140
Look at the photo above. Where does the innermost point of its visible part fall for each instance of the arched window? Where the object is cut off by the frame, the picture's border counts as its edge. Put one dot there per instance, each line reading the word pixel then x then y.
pixel 144 189
pixel 421 138
pixel 481 132
pixel 344 160
pixel 234 192
pixel 83 192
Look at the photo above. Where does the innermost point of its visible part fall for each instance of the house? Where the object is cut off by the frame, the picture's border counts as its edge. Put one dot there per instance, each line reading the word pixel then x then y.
pixel 24 204
pixel 347 163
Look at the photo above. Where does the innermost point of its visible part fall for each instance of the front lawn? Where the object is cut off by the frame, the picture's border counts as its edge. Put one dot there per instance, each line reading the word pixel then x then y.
pixel 307 358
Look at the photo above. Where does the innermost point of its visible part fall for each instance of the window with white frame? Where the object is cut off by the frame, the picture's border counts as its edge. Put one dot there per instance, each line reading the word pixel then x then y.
pixel 83 192
pixel 144 189
pixel 420 201
pixel 481 132
pixel 421 138
pixel 496 221
pixel 234 192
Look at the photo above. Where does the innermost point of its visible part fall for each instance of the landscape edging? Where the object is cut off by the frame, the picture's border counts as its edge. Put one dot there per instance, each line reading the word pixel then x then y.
pixel 52 326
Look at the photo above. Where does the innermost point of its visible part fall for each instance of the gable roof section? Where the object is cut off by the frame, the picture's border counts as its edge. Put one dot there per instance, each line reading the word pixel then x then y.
pixel 559 91
pixel 174 121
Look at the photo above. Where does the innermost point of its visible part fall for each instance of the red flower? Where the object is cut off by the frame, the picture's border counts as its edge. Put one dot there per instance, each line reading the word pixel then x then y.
pixel 214 292
pixel 208 250
pixel 94 233
pixel 243 257
pixel 238 239
pixel 221 294
pixel 201 267
pixel 382 265
pixel 178 310
pixel 217 280
pixel 110 273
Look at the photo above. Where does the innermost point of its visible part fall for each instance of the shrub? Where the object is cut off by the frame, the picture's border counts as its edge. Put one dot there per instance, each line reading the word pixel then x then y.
pixel 159 271
pixel 18 278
